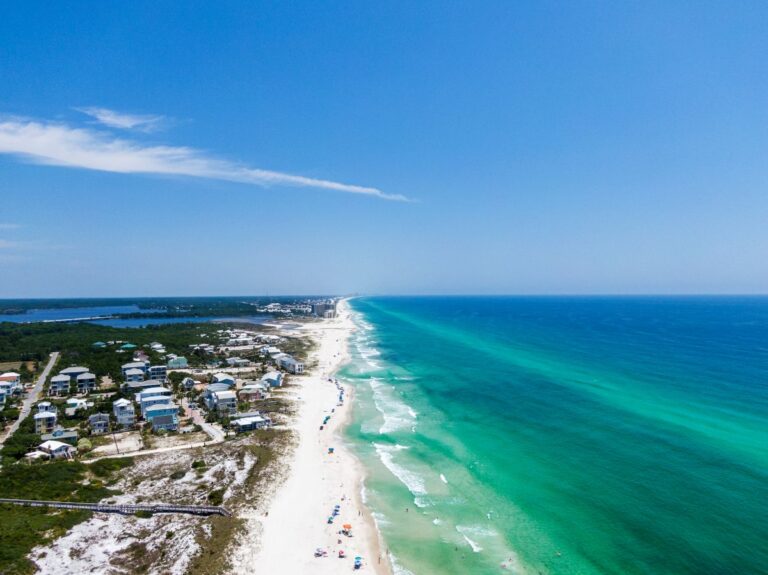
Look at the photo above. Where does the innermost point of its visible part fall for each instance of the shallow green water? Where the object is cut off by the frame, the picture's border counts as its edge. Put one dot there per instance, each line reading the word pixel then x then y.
pixel 565 435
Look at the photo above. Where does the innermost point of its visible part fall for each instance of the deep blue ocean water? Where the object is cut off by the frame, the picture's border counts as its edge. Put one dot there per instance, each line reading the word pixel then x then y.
pixel 565 435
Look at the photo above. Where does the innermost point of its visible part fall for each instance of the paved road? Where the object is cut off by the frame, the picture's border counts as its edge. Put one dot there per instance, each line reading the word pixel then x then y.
pixel 32 396
pixel 214 432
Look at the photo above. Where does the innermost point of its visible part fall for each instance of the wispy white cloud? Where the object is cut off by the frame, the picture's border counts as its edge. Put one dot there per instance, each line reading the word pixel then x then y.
pixel 7 244
pixel 123 121
pixel 65 145
pixel 7 226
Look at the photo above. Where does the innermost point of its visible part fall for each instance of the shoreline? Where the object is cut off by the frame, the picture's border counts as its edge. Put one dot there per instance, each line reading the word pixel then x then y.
pixel 282 535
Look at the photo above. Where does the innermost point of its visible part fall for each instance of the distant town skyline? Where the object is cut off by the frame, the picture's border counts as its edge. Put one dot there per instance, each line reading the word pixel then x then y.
pixel 150 149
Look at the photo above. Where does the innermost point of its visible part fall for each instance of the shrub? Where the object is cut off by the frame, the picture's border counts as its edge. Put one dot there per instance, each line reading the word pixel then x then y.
pixel 216 497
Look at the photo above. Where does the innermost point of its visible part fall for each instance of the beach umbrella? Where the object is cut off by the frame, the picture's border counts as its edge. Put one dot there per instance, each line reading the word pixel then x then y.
pixel 347 526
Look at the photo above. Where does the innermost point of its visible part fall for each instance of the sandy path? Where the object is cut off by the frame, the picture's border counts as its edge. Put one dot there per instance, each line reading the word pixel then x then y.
pixel 283 538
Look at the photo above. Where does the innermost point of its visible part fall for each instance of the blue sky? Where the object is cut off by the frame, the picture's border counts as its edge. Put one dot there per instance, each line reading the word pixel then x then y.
pixel 150 148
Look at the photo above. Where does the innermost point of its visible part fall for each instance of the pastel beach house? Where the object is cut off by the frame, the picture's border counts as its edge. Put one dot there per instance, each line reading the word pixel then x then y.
pixel 86 383
pixel 125 414
pixel 225 402
pixel 163 416
pixel 99 423
pixel 45 418
pixel 59 385
pixel 152 396
pixel 73 372
pixel 158 372
pixel 224 378
pixel 131 367
pixel 290 364
pixel 273 378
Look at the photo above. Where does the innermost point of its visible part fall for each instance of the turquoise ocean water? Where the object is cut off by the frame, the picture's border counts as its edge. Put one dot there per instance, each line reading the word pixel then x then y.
pixel 565 435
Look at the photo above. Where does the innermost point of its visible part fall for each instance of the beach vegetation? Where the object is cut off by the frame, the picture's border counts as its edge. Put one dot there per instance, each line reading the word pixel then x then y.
pixel 22 528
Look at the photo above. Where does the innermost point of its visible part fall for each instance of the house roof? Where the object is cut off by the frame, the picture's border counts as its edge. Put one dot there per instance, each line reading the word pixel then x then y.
pixel 162 407
pixel 59 378
pixel 140 385
pixel 163 420
pixel 212 387
pixel 122 402
pixel 134 371
pixel 134 364
pixel 225 394
pixel 249 420
pixel 88 375
pixel 150 391
pixel 10 374
pixel 45 415
pixel 74 369
pixel 52 445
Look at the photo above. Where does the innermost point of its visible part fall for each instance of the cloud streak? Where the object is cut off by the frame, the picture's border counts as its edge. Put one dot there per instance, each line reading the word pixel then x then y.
pixel 110 118
pixel 59 144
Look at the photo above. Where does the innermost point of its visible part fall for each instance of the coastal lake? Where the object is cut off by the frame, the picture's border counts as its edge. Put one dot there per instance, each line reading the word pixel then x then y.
pixel 82 313
pixel 564 435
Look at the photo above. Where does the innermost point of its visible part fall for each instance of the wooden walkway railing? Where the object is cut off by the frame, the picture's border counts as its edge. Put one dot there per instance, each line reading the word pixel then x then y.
pixel 123 509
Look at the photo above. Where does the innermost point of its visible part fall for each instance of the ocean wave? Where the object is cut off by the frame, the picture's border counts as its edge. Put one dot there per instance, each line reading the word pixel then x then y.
pixel 476 548
pixel 398 569
pixel 397 414
pixel 413 481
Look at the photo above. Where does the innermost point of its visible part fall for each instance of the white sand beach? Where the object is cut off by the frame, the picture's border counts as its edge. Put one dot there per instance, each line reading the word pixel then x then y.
pixel 284 535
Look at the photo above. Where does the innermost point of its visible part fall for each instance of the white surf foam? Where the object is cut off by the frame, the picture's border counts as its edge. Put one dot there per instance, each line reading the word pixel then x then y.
pixel 413 481
pixel 443 479
pixel 397 414
pixel 477 532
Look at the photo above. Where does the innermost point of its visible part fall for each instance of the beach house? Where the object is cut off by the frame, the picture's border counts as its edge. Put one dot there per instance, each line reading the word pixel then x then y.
pixel 273 378
pixel 99 423
pixel 178 363
pixel 57 449
pixel 158 372
pixel 152 396
pixel 45 418
pixel 139 386
pixel 251 423
pixel 251 392
pixel 134 374
pixel 238 362
pixel 73 372
pixel 224 378
pixel 75 404
pixel 140 365
pixel 124 412
pixel 225 402
pixel 86 383
pixel 188 383
pixel 59 385
pixel 61 434
pixel 11 377
pixel 163 416
pixel 207 396
pixel 291 364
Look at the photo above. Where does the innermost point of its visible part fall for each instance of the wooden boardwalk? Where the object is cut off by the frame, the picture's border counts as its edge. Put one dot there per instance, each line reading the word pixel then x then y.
pixel 123 509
